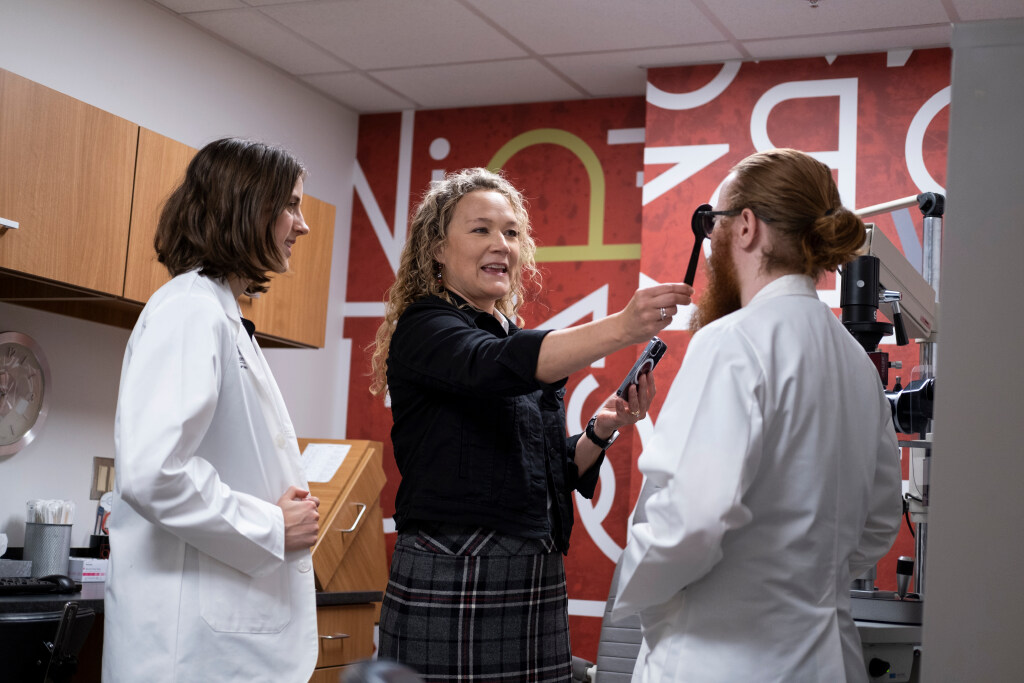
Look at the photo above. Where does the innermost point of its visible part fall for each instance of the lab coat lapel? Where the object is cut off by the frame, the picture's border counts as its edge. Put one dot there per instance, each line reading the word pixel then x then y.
pixel 253 362
pixel 269 396
pixel 248 356
pixel 272 406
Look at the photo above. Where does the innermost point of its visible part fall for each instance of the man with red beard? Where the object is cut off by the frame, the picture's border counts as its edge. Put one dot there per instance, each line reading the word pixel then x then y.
pixel 775 462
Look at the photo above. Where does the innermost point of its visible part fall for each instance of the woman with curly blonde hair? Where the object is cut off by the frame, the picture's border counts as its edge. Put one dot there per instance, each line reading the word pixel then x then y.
pixel 484 508
pixel 419 272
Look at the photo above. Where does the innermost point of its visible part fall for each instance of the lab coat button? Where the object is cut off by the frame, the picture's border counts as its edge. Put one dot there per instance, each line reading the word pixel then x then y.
pixel 305 566
pixel 279 440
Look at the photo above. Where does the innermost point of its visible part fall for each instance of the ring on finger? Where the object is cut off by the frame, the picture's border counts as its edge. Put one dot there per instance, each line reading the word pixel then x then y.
pixel 635 413
pixel 662 313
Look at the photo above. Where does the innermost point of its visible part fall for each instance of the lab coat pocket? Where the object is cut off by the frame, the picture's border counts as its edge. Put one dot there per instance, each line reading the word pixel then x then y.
pixel 233 602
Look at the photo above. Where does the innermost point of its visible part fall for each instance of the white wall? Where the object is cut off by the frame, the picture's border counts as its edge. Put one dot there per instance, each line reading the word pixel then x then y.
pixel 139 61
pixel 974 602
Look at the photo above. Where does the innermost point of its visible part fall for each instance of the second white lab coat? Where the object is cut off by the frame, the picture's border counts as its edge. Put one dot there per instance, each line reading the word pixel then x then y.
pixel 779 479
pixel 200 587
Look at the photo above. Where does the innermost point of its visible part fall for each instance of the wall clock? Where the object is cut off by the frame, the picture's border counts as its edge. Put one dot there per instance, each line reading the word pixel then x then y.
pixel 24 391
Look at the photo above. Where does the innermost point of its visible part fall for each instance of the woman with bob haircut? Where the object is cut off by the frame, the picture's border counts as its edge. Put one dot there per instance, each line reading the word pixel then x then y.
pixel 210 570
pixel 484 509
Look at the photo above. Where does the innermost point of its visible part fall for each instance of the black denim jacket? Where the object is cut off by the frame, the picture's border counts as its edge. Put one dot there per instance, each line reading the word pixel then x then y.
pixel 478 439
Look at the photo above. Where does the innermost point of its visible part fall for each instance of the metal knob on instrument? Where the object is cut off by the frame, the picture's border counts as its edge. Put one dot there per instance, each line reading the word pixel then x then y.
pixel 904 570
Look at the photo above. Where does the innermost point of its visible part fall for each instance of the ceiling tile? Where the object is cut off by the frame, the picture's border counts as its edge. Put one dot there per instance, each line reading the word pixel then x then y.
pixel 587 25
pixel 268 40
pixel 367 54
pixel 470 85
pixel 780 18
pixel 263 3
pixel 854 43
pixel 200 5
pixel 396 33
pixel 613 74
pixel 358 92
pixel 973 10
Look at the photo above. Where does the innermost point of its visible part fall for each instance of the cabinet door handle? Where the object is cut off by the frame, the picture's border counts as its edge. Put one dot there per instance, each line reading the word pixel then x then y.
pixel 362 510
pixel 8 223
pixel 336 636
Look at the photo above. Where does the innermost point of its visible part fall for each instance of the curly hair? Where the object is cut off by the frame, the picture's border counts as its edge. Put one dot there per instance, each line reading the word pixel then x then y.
pixel 797 196
pixel 220 220
pixel 428 233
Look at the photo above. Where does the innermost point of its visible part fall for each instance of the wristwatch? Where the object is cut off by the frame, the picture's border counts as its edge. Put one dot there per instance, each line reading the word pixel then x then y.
pixel 601 443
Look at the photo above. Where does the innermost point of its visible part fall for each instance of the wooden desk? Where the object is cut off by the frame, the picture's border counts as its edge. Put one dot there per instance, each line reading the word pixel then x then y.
pixel 349 554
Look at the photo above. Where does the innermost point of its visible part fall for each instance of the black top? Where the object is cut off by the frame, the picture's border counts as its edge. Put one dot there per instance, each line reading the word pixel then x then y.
pixel 478 439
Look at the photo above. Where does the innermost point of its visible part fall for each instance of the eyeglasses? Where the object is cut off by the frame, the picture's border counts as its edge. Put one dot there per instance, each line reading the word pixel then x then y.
pixel 704 218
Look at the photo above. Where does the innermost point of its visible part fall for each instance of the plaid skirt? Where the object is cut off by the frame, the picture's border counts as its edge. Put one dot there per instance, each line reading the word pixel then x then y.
pixel 466 604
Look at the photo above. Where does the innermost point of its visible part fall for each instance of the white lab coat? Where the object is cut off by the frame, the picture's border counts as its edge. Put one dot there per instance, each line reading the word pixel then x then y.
pixel 200 587
pixel 779 481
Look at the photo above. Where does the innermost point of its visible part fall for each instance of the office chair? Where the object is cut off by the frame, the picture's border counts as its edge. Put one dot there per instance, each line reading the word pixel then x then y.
pixel 620 642
pixel 42 647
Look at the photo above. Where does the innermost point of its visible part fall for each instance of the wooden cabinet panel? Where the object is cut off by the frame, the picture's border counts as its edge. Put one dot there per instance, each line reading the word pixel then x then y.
pixel 349 554
pixel 343 528
pixel 66 172
pixel 345 633
pixel 364 562
pixel 295 308
pixel 159 168
pixel 331 674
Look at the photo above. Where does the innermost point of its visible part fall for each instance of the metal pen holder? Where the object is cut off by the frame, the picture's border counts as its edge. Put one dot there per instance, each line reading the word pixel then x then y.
pixel 48 546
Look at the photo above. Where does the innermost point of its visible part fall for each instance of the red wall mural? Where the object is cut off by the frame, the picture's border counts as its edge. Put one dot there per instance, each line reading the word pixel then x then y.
pixel 612 184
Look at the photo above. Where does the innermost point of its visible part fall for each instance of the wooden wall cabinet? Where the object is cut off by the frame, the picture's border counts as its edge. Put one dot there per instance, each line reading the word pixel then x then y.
pixel 87 188
pixel 66 171
pixel 159 168
pixel 295 307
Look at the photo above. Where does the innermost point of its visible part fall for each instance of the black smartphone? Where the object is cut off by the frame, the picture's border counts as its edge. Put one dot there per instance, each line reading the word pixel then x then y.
pixel 653 352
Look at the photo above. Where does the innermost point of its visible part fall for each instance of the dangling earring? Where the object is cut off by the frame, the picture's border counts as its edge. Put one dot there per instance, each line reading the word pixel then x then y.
pixel 437 274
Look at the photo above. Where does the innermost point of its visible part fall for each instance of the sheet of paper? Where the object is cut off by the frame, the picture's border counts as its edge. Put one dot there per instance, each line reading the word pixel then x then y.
pixel 320 461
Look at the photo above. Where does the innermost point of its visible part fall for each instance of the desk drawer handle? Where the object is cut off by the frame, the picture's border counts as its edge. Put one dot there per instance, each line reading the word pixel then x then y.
pixel 362 510
pixel 8 223
pixel 336 636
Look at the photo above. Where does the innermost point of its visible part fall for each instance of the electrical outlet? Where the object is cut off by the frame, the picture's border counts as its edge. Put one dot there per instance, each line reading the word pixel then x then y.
pixel 102 477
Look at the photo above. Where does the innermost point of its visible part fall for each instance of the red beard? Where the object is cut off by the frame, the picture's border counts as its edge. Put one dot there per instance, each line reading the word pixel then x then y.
pixel 722 295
